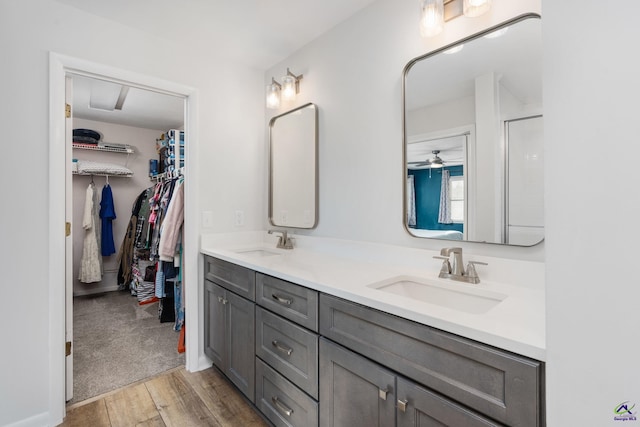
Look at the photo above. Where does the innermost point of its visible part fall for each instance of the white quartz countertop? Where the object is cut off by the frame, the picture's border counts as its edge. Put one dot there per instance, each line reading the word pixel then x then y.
pixel 346 269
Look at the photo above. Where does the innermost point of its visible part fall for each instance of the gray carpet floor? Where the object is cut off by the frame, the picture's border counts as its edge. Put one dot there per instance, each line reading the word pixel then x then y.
pixel 118 342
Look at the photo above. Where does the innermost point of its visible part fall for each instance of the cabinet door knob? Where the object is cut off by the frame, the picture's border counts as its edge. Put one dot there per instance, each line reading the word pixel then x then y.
pixel 382 394
pixel 281 406
pixel 402 405
pixel 283 348
pixel 282 300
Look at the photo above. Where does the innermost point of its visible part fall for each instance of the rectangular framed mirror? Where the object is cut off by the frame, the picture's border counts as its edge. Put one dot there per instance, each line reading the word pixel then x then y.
pixel 293 168
pixel 472 138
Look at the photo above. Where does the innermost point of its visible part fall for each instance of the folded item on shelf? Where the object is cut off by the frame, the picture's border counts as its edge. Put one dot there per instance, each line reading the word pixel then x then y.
pixel 86 136
pixel 91 167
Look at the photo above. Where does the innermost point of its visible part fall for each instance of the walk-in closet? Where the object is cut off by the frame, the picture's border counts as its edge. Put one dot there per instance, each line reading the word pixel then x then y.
pixel 127 201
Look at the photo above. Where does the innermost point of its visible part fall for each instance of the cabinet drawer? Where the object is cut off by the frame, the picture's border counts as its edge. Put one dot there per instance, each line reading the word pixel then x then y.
pixel 288 348
pixel 230 276
pixel 294 302
pixel 281 401
pixel 496 383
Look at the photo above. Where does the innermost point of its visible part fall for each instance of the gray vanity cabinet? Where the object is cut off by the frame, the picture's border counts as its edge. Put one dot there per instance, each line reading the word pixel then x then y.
pixel 230 323
pixel 354 392
pixel 306 358
pixel 495 383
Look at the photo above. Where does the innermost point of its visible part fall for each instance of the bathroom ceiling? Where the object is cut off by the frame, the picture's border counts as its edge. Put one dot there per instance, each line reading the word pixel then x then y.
pixel 259 33
pixel 96 100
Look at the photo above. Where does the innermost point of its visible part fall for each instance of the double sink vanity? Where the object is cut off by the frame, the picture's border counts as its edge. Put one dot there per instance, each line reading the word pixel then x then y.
pixel 326 332
pixel 337 332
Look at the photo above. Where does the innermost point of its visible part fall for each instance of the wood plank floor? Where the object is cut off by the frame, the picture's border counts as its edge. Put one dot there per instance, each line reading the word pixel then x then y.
pixel 175 398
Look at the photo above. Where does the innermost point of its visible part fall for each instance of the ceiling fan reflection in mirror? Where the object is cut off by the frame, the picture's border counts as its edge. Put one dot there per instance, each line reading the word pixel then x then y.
pixel 435 162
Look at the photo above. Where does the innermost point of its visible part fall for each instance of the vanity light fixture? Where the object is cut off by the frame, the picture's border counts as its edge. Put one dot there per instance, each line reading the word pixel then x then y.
pixel 434 13
pixel 473 8
pixel 431 17
pixel 273 94
pixel 288 90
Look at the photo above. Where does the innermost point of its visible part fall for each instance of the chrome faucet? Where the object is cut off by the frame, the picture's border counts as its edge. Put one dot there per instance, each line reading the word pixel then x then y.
pixel 284 241
pixel 454 268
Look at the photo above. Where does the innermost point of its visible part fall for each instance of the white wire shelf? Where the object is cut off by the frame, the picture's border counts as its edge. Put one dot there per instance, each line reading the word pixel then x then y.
pixel 123 150
pixel 110 175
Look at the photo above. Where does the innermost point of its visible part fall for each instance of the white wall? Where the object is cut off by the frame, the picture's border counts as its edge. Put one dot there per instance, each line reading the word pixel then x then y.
pixel 591 94
pixel 231 151
pixel 354 74
pixel 125 191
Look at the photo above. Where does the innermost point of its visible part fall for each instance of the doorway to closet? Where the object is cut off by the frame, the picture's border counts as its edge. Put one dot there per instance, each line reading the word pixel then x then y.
pixel 123 329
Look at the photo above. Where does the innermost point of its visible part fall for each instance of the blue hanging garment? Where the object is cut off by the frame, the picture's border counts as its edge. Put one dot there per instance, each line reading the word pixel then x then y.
pixel 107 214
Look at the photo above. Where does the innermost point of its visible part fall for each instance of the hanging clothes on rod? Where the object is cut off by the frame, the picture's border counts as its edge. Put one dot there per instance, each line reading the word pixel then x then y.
pixel 91 262
pixel 107 214
pixel 154 237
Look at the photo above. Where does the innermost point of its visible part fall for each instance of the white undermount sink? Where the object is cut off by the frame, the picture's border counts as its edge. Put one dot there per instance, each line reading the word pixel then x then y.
pixel 456 296
pixel 258 252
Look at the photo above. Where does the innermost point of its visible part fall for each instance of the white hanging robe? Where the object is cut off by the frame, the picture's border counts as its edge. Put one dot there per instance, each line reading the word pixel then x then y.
pixel 91 262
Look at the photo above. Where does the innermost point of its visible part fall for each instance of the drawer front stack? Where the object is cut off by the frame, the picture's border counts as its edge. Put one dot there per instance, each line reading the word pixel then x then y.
pixel 286 352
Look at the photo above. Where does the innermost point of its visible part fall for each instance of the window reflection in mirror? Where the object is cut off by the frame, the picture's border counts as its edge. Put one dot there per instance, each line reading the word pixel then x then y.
pixel 473 138
pixel 293 181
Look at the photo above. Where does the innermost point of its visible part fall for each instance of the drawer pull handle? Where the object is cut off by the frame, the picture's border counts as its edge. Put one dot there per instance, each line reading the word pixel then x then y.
pixel 282 300
pixel 282 348
pixel 402 405
pixel 281 406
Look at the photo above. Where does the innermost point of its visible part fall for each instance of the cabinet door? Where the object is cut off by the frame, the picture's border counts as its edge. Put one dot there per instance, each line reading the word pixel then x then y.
pixel 241 343
pixel 354 392
pixel 419 407
pixel 214 323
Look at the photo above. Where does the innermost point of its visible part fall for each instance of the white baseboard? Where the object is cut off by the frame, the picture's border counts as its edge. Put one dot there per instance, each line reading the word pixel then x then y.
pixel 95 291
pixel 35 421
pixel 203 363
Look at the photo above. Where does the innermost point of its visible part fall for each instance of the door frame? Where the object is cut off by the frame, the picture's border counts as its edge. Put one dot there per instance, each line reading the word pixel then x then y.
pixel 60 166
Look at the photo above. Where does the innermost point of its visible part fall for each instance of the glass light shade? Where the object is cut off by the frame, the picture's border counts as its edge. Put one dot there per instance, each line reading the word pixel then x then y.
pixel 473 8
pixel 436 165
pixel 497 33
pixel 273 96
pixel 454 49
pixel 288 88
pixel 431 17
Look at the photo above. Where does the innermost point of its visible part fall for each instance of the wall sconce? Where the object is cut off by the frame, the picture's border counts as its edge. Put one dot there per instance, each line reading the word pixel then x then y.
pixel 431 17
pixel 434 13
pixel 273 94
pixel 288 90
pixel 473 8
